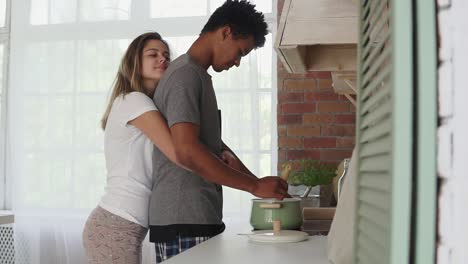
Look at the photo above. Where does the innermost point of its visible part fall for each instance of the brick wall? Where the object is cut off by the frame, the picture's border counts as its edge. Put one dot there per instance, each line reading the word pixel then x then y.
pixel 452 167
pixel 313 121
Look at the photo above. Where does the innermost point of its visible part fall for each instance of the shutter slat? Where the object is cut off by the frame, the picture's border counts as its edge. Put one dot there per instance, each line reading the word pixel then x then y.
pixel 376 163
pixel 378 130
pixel 380 146
pixel 370 241
pixel 371 18
pixel 376 115
pixel 369 255
pixel 377 97
pixel 375 83
pixel 378 181
pixel 376 45
pixel 375 49
pixel 385 55
pixel 368 211
pixel 375 197
pixel 372 230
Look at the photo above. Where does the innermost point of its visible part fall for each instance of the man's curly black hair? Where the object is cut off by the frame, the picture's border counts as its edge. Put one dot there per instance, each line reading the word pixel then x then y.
pixel 242 18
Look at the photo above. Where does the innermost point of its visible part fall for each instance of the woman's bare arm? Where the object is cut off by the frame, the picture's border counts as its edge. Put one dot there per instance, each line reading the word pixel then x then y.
pixel 154 126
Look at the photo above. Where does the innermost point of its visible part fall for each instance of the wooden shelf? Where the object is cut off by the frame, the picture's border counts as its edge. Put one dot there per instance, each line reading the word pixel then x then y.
pixel 318 35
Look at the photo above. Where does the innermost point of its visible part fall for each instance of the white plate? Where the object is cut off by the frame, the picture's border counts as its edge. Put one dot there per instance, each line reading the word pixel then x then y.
pixel 283 236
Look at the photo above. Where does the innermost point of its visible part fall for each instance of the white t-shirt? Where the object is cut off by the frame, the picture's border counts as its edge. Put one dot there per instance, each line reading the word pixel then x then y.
pixel 129 160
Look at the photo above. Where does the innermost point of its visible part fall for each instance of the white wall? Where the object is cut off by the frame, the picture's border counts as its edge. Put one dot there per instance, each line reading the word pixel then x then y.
pixel 453 131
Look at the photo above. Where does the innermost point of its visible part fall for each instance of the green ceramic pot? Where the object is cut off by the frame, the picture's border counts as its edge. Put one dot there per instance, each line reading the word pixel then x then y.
pixel 265 211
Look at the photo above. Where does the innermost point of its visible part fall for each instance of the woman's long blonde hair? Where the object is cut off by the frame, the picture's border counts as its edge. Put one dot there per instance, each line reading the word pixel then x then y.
pixel 129 78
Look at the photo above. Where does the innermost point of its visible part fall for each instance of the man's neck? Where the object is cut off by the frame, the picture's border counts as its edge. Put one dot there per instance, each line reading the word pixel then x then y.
pixel 200 52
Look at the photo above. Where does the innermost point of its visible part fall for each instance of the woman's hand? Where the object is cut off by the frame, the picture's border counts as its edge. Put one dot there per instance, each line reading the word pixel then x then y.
pixel 230 160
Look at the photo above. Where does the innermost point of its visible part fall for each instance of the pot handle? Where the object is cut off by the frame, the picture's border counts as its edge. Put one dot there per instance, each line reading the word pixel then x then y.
pixel 270 205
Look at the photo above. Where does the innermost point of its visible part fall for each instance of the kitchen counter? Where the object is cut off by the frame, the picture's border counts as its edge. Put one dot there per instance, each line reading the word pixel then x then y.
pixel 232 248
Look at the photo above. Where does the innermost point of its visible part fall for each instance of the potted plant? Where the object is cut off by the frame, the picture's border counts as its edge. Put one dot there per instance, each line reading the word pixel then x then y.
pixel 311 173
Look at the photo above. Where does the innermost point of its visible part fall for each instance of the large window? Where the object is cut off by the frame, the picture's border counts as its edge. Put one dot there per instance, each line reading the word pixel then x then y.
pixel 4 47
pixel 65 55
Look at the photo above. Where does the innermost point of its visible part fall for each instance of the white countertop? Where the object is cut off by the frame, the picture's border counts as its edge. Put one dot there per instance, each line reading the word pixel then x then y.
pixel 6 217
pixel 231 248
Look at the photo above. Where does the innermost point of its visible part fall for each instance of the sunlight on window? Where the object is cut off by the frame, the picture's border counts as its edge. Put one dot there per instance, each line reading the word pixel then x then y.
pixel 98 10
pixel 2 48
pixel 237 114
pixel 64 103
pixel 45 12
pixel 60 101
pixel 179 45
pixel 264 63
pixel 52 11
pixel 178 8
pixel 2 12
pixel 261 5
pixel 265 120
pixel 245 75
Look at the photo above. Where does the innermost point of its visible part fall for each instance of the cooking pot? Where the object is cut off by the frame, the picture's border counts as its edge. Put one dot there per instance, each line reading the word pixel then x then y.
pixel 265 211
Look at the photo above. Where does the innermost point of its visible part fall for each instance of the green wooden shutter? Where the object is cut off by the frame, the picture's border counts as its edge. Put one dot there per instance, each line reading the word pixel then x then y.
pixel 384 132
pixel 426 99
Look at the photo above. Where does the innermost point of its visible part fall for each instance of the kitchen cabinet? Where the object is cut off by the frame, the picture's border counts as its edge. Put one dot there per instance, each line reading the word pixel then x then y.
pixel 319 35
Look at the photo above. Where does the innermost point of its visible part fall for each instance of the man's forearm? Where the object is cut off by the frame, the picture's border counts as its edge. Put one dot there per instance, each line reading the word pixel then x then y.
pixel 198 159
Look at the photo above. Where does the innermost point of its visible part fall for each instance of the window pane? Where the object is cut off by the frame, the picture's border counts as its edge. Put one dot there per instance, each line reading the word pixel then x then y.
pixel 2 50
pixel 265 120
pixel 2 129
pixel 231 200
pixel 97 64
pixel 237 120
pixel 264 63
pixel 46 181
pixel 89 110
pixel 65 11
pixel 265 165
pixel 49 122
pixel 263 6
pixel 51 67
pixel 254 72
pixel 53 11
pixel 98 10
pixel 178 8
pixel 179 45
pixel 90 169
pixel 237 77
pixel 2 12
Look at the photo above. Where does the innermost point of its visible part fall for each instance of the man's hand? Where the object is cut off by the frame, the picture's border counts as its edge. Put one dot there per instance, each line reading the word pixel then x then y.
pixel 230 160
pixel 271 187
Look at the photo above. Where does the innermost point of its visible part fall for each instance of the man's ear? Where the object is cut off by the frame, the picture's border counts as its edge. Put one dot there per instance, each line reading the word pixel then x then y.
pixel 225 32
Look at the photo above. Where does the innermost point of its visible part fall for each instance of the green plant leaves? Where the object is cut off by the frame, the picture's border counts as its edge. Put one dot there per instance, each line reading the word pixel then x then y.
pixel 312 173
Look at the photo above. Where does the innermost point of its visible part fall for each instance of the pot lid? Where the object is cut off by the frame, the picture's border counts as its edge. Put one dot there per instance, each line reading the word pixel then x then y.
pixel 283 236
pixel 276 201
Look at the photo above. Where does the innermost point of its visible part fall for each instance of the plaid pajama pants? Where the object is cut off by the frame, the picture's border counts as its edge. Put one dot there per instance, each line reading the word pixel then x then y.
pixel 166 250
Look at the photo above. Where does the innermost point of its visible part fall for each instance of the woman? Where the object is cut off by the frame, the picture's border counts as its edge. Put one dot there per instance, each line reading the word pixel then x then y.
pixel 116 228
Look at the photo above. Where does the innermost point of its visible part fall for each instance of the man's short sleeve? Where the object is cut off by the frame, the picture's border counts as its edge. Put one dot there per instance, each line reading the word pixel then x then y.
pixel 182 97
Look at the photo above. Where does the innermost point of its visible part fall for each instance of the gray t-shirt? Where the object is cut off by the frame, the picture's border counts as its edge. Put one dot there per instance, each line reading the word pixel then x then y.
pixel 185 94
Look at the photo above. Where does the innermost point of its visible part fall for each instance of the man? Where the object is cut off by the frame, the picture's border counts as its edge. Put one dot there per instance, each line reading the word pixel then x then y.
pixel 186 204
